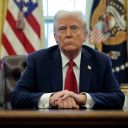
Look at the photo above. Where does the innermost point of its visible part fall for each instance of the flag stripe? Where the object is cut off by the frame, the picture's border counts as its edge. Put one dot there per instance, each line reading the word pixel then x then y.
pixel 97 36
pixel 27 45
pixel 34 24
pixel 7 45
pixel 31 36
pixel 15 42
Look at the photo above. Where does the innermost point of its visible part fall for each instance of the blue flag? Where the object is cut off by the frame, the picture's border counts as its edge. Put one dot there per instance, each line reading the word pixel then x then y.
pixel 114 13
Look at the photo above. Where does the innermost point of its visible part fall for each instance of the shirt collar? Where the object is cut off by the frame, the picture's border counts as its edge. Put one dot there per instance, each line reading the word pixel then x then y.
pixel 65 60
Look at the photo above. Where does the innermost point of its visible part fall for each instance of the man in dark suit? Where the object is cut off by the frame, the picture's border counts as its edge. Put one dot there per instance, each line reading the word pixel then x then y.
pixel 42 84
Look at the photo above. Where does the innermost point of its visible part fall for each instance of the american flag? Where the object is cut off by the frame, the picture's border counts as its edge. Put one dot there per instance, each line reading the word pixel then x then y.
pixel 96 36
pixel 22 27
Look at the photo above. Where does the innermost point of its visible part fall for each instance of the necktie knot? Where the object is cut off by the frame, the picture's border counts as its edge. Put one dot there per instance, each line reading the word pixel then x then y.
pixel 71 63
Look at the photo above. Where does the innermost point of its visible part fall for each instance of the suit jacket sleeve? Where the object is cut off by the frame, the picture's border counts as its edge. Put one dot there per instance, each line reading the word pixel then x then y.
pixel 111 97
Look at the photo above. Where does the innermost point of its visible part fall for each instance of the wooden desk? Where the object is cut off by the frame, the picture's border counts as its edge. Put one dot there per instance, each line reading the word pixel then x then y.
pixel 68 118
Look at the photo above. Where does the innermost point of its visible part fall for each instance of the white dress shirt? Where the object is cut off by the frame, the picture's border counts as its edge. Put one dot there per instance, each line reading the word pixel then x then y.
pixel 44 100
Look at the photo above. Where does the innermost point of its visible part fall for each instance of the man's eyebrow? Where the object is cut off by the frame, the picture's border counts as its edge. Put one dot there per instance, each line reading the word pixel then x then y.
pixel 74 25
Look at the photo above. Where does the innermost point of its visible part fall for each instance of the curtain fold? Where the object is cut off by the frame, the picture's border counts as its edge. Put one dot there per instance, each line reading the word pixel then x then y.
pixel 3 8
pixel 43 43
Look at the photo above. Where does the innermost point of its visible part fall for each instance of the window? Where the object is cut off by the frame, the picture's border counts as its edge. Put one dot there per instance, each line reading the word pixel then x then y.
pixel 50 7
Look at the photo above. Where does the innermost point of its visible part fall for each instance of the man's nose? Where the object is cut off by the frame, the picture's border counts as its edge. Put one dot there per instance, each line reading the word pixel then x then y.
pixel 68 33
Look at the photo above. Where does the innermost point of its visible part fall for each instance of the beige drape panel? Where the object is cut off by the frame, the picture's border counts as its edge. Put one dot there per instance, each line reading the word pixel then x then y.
pixel 3 8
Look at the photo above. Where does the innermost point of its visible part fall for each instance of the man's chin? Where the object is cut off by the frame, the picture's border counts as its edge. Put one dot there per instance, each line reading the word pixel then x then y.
pixel 70 49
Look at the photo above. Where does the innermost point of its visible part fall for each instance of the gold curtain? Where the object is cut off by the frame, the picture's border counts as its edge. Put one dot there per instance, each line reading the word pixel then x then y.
pixel 43 43
pixel 3 8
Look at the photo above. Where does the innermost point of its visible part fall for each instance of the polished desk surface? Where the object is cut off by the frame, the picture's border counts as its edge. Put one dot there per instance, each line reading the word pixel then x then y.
pixel 68 118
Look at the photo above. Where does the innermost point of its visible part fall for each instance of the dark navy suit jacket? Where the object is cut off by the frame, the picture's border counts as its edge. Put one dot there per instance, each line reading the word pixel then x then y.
pixel 43 74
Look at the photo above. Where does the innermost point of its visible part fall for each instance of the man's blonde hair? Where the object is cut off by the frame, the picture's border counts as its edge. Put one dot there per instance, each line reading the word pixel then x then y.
pixel 65 13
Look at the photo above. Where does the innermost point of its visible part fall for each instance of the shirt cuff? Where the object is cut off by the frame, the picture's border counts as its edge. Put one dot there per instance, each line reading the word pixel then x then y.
pixel 90 102
pixel 44 100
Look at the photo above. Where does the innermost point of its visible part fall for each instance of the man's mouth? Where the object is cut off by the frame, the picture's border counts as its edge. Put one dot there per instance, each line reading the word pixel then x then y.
pixel 68 42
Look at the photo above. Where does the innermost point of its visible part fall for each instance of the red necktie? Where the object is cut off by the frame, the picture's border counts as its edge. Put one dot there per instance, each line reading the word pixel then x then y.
pixel 70 80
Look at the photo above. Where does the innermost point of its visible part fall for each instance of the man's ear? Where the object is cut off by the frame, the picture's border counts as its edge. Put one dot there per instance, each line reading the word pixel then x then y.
pixel 85 36
pixel 56 38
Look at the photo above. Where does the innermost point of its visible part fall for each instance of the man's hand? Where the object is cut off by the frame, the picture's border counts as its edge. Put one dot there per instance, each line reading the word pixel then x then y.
pixel 67 99
pixel 69 103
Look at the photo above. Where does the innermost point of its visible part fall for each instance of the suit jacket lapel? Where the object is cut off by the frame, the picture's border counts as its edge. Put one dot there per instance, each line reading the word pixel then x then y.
pixel 56 65
pixel 85 71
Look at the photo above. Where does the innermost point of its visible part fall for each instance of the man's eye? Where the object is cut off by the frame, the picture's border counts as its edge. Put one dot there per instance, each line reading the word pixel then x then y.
pixel 62 29
pixel 74 28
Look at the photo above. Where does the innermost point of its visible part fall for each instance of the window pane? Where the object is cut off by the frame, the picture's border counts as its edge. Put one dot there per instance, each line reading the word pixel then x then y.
pixel 80 5
pixel 49 34
pixel 52 6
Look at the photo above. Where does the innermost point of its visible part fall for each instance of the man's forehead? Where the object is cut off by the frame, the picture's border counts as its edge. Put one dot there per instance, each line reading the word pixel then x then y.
pixel 68 25
pixel 69 20
pixel 69 17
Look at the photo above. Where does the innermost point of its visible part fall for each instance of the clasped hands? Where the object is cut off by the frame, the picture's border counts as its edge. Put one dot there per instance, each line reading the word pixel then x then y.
pixel 67 99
